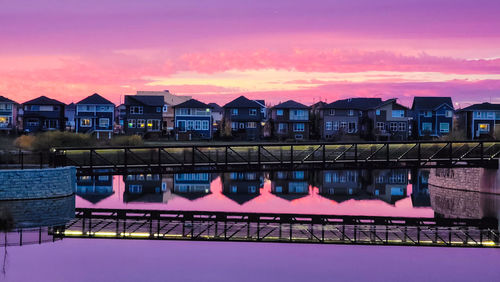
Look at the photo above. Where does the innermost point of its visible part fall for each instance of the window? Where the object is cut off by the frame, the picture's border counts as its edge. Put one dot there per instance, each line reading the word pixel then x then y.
pixel 394 126
pixel 328 125
pixel 190 125
pixel 197 125
pixel 279 189
pixel 428 114
pixel 380 126
pixel 234 189
pixel 141 123
pixel 298 175
pixel 279 112
pixel 298 127
pixel 252 189
pixel 32 122
pixel 332 112
pixel 181 125
pixel 153 124
pixel 233 175
pixel 4 121
pixel 282 127
pixel 352 127
pixel 336 126
pixel 103 177
pixel 135 189
pixel 234 112
pixel 343 125
pixel 484 127
pixel 204 125
pixel 158 109
pixel 85 122
pixel 402 126
pixel 165 108
pixel 138 110
pixel 444 127
pixel 103 122
pixel 252 112
pixel 398 113
pixel 251 124
pixel 449 114
pixel 242 125
pixel 299 136
pixel 51 123
pixel 351 112
pixel 426 126
pixel 377 112
pixel 234 125
pixel 183 112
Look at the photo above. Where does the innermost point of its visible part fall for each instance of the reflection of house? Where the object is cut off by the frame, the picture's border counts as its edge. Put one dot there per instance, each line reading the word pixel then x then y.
pixel 339 185
pixel 289 185
pixel 420 188
pixel 192 185
pixel 389 185
pixel 94 188
pixel 43 114
pixel 145 188
pixel 242 187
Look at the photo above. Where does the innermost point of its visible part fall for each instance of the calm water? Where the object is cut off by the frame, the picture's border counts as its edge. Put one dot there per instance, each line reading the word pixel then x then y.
pixel 417 193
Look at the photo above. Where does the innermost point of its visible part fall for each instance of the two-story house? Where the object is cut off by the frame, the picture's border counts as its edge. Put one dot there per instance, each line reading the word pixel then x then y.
pixel 432 116
pixel 390 121
pixel 145 188
pixel 193 120
pixel 290 120
pixel 8 115
pixel 346 117
pixel 94 188
pixel 481 120
pixel 143 115
pixel 388 185
pixel 43 114
pixel 95 114
pixel 244 119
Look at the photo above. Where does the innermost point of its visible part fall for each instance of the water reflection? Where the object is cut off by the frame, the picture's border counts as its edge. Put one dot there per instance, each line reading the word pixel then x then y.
pixel 242 187
pixel 191 186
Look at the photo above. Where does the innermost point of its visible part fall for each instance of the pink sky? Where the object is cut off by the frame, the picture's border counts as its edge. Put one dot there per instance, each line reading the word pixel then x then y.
pixel 217 50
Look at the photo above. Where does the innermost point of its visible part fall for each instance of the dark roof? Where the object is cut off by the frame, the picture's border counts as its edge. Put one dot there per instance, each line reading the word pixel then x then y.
pixel 290 196
pixel 389 101
pixel 291 104
pixel 192 196
pixel 241 198
pixel 192 103
pixel 147 100
pixel 215 107
pixel 70 107
pixel 243 102
pixel 95 99
pixel 483 106
pixel 43 100
pixel 354 103
pixel 430 103
pixel 94 198
pixel 6 100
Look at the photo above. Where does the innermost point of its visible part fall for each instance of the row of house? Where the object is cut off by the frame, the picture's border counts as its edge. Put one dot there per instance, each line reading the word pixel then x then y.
pixel 183 118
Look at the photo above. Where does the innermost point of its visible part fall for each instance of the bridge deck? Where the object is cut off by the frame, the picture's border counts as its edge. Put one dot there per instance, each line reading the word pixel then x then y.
pixel 280 155
pixel 290 228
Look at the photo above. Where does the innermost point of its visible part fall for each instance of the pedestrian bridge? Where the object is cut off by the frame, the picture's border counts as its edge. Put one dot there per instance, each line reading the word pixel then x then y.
pixel 316 155
pixel 283 228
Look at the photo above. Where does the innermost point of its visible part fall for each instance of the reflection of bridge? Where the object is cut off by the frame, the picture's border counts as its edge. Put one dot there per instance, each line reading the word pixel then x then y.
pixel 207 156
pixel 291 228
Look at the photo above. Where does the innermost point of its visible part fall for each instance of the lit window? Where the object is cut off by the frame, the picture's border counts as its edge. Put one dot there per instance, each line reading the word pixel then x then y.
pixel 484 127
pixel 131 123
pixel 141 123
pixel 85 122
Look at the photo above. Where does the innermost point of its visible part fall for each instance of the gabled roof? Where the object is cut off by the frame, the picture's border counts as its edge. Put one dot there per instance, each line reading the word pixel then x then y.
pixel 430 103
pixel 6 100
pixel 244 102
pixel 95 99
pixel 354 103
pixel 215 107
pixel 389 101
pixel 192 103
pixel 291 104
pixel 43 100
pixel 144 99
pixel 70 106
pixel 482 107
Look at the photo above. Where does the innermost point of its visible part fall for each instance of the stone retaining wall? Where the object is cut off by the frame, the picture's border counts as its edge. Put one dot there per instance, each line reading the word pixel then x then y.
pixel 37 183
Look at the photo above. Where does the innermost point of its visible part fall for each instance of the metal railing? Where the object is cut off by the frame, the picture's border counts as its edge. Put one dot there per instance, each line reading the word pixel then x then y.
pixel 269 227
pixel 293 156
